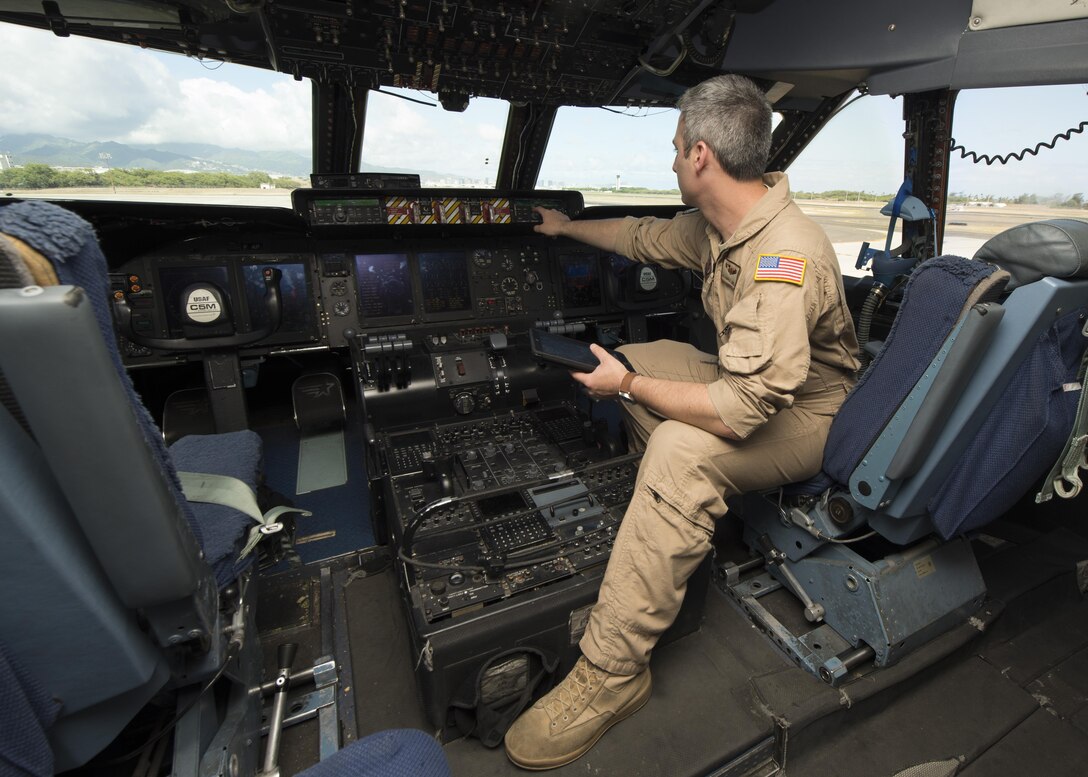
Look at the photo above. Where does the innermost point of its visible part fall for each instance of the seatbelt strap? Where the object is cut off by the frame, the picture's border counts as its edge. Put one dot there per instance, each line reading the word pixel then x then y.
pixel 234 493
pixel 1064 477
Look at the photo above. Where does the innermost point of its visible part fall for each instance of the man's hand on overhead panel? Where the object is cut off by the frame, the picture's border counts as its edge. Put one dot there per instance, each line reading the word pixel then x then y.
pixel 551 221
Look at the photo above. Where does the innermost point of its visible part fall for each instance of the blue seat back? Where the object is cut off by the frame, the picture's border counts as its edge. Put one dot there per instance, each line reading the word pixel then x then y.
pixel 933 303
pixel 1014 392
pixel 69 243
pixel 108 591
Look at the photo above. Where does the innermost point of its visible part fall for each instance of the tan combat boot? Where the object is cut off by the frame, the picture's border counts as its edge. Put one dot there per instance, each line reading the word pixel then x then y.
pixel 570 718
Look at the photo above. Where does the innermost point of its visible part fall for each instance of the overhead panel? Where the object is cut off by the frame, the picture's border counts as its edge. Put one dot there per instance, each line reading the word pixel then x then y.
pixel 573 52
pixel 992 14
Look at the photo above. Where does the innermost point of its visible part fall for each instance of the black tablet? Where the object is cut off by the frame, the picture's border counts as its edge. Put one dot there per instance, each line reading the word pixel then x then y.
pixel 567 351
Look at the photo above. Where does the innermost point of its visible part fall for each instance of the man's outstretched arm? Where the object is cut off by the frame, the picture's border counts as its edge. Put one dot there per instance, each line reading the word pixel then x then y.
pixel 600 233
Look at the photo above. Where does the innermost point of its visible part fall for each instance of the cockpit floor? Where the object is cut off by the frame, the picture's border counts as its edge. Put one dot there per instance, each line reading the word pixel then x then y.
pixel 341 515
pixel 1005 701
pixel 701 712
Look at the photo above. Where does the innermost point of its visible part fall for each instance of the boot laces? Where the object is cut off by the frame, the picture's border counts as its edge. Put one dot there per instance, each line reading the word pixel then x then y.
pixel 564 700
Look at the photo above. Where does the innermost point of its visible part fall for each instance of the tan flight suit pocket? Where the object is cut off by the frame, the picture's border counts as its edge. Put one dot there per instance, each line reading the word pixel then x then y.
pixel 744 348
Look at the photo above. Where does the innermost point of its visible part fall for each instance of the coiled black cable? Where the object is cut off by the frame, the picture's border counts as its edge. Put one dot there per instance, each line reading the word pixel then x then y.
pixel 989 159
pixel 865 319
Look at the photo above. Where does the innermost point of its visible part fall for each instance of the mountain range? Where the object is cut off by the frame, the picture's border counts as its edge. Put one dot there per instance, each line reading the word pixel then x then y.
pixel 66 152
pixel 195 157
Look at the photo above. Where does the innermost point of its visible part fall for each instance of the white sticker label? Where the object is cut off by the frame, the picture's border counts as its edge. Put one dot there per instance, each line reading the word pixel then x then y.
pixel 202 306
pixel 647 279
pixel 577 623
pixel 924 567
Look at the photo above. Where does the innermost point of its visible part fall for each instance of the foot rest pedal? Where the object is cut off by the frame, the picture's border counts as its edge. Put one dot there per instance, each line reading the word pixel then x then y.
pixel 186 412
pixel 318 401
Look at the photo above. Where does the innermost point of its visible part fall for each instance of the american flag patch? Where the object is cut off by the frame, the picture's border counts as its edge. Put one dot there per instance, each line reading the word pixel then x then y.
pixel 777 267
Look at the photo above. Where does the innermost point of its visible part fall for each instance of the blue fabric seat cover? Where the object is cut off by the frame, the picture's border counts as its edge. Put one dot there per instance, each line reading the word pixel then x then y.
pixel 401 752
pixel 1022 436
pixel 932 302
pixel 26 712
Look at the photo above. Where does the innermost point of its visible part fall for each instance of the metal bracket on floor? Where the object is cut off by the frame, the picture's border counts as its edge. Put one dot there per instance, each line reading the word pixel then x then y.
pixel 818 651
pixel 765 759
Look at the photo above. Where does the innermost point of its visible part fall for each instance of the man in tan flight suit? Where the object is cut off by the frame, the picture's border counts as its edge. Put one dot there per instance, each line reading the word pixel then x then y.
pixel 753 416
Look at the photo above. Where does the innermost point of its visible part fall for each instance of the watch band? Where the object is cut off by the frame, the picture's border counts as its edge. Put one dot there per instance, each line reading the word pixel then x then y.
pixel 625 386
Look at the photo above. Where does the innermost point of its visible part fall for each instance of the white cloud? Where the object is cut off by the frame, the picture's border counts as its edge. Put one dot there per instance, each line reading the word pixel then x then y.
pixel 490 132
pixel 77 88
pixel 210 111
pixel 400 133
pixel 91 90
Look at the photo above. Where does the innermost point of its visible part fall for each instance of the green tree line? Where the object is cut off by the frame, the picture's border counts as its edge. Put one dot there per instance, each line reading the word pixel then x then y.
pixel 42 176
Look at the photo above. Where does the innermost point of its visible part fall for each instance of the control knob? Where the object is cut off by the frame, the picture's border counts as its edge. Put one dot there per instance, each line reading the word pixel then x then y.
pixel 464 403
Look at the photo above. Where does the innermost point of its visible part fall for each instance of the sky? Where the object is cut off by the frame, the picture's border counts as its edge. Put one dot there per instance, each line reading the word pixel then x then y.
pixel 94 91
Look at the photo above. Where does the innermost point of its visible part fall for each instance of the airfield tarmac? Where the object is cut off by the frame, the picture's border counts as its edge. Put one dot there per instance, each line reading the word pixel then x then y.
pixel 847 224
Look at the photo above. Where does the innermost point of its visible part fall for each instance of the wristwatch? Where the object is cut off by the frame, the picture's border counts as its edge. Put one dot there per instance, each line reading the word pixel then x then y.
pixel 625 387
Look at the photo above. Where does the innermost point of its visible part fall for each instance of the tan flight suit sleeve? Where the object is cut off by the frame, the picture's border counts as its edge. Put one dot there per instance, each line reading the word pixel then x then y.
pixel 676 242
pixel 764 347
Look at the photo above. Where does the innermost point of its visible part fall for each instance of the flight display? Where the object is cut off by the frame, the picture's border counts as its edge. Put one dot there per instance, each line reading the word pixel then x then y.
pixel 385 285
pixel 443 279
pixel 580 280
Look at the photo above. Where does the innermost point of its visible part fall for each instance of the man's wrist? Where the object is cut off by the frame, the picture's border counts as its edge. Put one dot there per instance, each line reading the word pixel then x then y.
pixel 626 383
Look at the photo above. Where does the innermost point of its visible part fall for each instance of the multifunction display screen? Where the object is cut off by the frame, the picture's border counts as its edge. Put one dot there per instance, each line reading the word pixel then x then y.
pixel 385 285
pixel 581 280
pixel 296 308
pixel 443 278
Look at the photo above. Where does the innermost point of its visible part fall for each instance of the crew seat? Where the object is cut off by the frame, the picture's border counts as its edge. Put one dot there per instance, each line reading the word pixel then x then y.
pixel 115 586
pixel 966 406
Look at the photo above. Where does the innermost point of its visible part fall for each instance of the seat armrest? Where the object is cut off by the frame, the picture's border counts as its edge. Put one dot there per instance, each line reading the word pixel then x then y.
pixel 963 357
pixel 901 447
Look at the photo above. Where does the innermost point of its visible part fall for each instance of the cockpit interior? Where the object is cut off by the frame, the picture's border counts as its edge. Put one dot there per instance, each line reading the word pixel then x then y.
pixel 289 490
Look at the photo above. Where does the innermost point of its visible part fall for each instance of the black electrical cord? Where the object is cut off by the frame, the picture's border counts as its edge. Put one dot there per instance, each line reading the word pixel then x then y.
pixel 407 539
pixel 635 115
pixel 715 48
pixel 989 159
pixel 865 319
pixel 510 562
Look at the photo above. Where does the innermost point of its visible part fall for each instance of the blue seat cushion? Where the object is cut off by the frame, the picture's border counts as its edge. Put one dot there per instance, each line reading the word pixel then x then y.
pixel 814 486
pixel 403 752
pixel 223 529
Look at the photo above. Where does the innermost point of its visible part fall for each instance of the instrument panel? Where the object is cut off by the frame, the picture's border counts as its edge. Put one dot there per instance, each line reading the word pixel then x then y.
pixel 333 290
pixel 352 207
pixel 434 319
